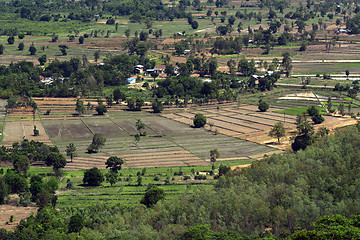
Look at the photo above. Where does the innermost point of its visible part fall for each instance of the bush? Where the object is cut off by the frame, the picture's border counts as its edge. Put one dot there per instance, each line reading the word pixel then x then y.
pixel 317 119
pixel 76 223
pixel 81 39
pixel 263 106
pixel 152 196
pixel 200 177
pixel 312 111
pixel 93 177
pixel 199 120
pixel 101 109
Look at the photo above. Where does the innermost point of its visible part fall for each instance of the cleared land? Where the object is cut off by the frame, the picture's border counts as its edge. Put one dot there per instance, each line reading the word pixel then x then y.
pixel 16 131
pixel 168 143
pixel 18 213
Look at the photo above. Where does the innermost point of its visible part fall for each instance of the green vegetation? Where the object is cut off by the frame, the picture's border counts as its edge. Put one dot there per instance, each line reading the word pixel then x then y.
pixel 304 201
pixel 186 57
pixel 299 110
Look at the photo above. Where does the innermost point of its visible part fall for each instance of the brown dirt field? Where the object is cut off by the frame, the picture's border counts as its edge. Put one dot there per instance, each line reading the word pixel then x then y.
pixel 240 166
pixel 16 131
pixel 19 213
pixel 257 127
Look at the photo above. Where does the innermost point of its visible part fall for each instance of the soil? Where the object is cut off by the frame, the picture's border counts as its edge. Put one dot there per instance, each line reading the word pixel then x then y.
pixel 19 213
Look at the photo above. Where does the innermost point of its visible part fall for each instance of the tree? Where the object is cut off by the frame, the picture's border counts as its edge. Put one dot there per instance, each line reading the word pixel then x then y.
pixel 96 55
pixel 36 132
pixel 347 72
pixel 286 62
pixel 81 40
pixel 154 75
pixel 127 33
pixel 139 180
pixel 71 151
pixel 1 49
pixel 135 104
pixel 93 177
pixel 157 106
pixel 101 109
pixel 3 190
pixel 21 164
pixel 278 131
pixel 305 136
pixel 80 108
pixel 97 143
pixel 317 119
pixel 223 169
pixel 63 49
pixel 11 40
pixel 32 49
pixel 329 104
pixel 109 100
pixel 139 126
pixel 312 111
pixel 111 177
pixel 137 138
pixel 117 95
pixel 199 120
pixel 76 223
pixel 15 182
pixel 54 38
pixel 114 163
pixel 152 196
pixel 341 109
pixel 56 160
pixel 194 24
pixel 214 154
pixel 21 46
pixel 263 106
pixel 303 47
pixel 42 60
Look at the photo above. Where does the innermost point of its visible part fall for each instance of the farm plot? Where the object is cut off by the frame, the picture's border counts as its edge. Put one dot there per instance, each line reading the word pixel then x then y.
pixel 242 121
pixel 18 213
pixel 167 143
pixel 16 131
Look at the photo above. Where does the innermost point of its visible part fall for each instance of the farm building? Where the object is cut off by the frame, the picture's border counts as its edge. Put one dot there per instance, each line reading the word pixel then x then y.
pixel 138 69
pixel 131 80
pixel 159 71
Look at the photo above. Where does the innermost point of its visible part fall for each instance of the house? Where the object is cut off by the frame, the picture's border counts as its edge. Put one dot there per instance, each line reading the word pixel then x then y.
pixel 159 71
pixel 207 80
pixel 131 80
pixel 138 69
pixel 187 51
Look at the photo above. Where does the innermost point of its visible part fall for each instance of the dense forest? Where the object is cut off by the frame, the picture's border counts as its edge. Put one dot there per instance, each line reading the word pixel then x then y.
pixel 282 194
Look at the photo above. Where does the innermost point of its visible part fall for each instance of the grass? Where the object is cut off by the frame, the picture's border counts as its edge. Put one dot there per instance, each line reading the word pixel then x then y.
pixel 299 110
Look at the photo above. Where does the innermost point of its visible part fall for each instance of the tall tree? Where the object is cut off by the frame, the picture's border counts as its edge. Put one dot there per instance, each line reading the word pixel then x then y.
pixel 80 108
pixel 32 49
pixel 71 151
pixel 96 55
pixel 278 131
pixel 114 163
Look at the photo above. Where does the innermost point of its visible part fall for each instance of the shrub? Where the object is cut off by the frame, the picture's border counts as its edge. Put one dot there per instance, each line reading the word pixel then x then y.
pixel 317 119
pixel 263 106
pixel 93 177
pixel 199 120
